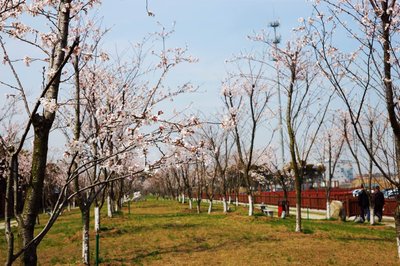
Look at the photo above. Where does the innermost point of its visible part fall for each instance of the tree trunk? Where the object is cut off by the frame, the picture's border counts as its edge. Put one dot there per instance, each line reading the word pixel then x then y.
pixel 121 194
pixel 41 125
pixel 9 205
pixel 96 218
pixel 390 104
pixel 190 204
pixel 298 217
pixel 35 188
pixel 285 192
pixel 10 241
pixel 298 206
pixel 371 215
pixel 397 223
pixel 210 205
pixel 251 204
pixel 328 197
pixel 295 161
pixel 225 205
pixel 116 207
pixel 109 207
pixel 198 205
pixel 29 256
pixel 85 235
pixel 328 210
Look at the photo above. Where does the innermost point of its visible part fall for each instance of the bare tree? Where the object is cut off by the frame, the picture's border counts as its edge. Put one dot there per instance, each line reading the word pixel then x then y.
pixel 306 108
pixel 331 142
pixel 371 68
pixel 246 95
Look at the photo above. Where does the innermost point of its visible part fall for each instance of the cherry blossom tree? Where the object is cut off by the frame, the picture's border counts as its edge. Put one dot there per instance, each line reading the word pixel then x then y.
pixel 269 173
pixel 300 101
pixel 329 146
pixel 219 147
pixel 56 46
pixel 171 182
pixel 114 131
pixel 306 104
pixel 8 6
pixel 199 173
pixel 245 96
pixel 117 121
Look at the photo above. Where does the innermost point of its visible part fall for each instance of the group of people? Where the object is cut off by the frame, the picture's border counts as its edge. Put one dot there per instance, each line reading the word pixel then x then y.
pixel 378 200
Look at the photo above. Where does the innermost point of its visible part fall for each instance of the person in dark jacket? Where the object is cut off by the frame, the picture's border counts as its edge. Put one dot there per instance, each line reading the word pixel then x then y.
pixel 379 201
pixel 363 203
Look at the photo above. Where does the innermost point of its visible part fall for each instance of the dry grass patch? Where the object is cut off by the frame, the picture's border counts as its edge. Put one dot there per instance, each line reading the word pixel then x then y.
pixel 167 233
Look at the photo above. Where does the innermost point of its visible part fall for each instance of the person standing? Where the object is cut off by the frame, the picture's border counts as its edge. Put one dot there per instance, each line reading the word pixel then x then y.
pixel 379 201
pixel 363 203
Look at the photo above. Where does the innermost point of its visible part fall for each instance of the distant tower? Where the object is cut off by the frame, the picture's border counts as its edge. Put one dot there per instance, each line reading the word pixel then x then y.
pixel 277 39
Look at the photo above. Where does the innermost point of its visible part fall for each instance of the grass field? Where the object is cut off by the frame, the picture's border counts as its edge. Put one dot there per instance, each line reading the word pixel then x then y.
pixel 167 233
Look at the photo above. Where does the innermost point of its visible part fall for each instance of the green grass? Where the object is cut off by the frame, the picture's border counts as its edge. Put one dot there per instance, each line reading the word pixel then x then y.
pixel 167 233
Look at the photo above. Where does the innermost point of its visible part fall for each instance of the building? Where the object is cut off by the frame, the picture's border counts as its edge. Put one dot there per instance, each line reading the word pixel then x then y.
pixel 343 174
pixel 377 179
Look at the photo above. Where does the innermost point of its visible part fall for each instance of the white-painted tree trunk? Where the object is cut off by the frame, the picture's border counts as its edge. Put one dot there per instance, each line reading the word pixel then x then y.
pixel 116 206
pixel 328 210
pixel 96 219
pixel 398 246
pixel 298 218
pixel 237 201
pixel 190 204
pixel 179 198
pixel 183 198
pixel 229 199
pixel 109 207
pixel 85 238
pixel 371 216
pixel 210 205
pixel 225 205
pixel 251 205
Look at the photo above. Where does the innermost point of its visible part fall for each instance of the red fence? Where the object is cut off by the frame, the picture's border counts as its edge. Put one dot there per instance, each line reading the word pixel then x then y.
pixel 313 200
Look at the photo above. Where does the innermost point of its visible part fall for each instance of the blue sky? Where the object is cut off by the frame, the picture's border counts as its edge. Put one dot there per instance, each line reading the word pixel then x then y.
pixel 214 30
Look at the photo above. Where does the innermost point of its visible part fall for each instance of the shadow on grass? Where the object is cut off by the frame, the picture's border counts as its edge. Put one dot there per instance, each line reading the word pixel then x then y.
pixel 308 231
pixel 113 231
pixel 178 226
pixel 184 248
pixel 160 216
pixel 368 239
pixel 198 244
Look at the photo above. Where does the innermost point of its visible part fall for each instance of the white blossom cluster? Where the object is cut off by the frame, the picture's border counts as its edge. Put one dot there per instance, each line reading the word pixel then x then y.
pixel 49 105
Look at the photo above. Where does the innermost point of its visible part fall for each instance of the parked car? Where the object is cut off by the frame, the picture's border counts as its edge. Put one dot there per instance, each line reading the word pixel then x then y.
pixel 356 192
pixel 391 193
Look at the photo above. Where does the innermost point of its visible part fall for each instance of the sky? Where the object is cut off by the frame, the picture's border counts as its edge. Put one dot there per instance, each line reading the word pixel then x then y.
pixel 213 30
